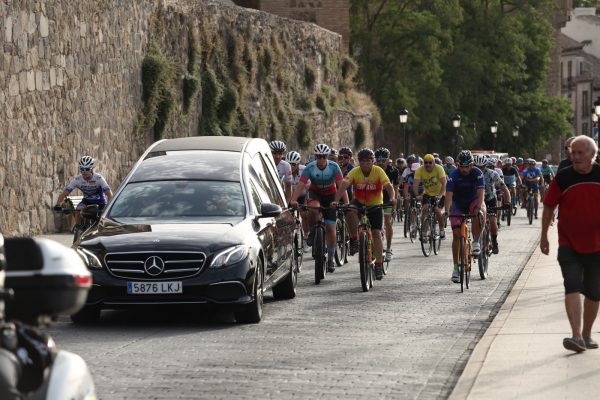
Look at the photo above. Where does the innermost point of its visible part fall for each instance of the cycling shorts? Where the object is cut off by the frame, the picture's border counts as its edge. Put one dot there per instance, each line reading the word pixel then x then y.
pixel 438 203
pixel 325 200
pixel 375 216
pixel 510 180
pixel 86 202
pixel 460 209
pixel 492 204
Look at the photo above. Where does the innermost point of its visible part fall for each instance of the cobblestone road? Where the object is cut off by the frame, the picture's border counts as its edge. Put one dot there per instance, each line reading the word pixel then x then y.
pixel 409 338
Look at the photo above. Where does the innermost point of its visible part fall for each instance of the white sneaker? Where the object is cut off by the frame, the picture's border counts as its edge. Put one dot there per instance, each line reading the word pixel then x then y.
pixel 455 276
pixel 476 249
pixel 388 256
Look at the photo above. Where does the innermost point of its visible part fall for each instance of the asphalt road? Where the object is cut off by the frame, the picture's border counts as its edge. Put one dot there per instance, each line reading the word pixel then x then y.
pixel 408 338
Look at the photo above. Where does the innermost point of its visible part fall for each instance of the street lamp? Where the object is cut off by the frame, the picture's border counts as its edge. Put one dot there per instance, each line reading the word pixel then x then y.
pixel 516 131
pixel 494 130
pixel 403 121
pixel 456 125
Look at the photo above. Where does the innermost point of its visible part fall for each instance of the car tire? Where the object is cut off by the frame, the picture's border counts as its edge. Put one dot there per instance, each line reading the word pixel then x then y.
pixel 86 315
pixel 252 313
pixel 286 289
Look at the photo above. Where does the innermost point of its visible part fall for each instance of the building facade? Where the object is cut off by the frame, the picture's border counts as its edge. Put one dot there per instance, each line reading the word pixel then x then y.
pixel 333 15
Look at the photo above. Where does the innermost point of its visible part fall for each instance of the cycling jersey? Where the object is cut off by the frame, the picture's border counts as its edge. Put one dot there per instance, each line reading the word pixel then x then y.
pixel 448 169
pixel 93 189
pixel 492 181
pixel 464 188
pixel 296 180
pixel 510 175
pixel 394 176
pixel 284 170
pixel 546 173
pixel 531 177
pixel 322 181
pixel 431 180
pixel 368 190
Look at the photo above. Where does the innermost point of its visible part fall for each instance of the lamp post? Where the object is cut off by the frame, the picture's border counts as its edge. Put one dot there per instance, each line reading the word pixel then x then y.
pixel 456 125
pixel 403 121
pixel 516 131
pixel 494 130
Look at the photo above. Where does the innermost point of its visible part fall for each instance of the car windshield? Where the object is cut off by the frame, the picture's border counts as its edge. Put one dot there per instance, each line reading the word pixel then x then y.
pixel 178 201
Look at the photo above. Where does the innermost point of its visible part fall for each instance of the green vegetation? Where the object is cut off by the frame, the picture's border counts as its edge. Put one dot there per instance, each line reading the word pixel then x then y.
pixel 158 90
pixel 485 60
pixel 310 77
pixel 212 93
pixel 303 133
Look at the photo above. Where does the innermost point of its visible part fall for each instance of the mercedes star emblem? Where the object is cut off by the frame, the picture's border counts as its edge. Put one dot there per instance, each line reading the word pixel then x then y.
pixel 154 265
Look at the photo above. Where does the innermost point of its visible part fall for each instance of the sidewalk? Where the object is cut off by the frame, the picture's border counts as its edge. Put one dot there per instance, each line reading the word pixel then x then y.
pixel 521 354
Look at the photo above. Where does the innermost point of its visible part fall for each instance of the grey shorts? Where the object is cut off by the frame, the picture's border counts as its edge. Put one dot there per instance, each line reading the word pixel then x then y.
pixel 581 272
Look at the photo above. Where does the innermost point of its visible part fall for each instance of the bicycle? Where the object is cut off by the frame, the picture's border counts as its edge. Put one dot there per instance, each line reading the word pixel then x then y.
pixel 414 219
pixel 342 239
pixel 90 215
pixel 298 241
pixel 464 255
pixel 430 232
pixel 366 257
pixel 399 209
pixel 530 204
pixel 485 241
pixel 319 246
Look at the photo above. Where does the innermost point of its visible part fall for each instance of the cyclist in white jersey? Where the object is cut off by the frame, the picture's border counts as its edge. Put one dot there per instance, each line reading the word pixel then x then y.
pixel 284 170
pixel 294 158
pixel 93 186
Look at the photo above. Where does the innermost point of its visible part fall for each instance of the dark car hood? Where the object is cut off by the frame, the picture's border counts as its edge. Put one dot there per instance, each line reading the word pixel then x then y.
pixel 208 237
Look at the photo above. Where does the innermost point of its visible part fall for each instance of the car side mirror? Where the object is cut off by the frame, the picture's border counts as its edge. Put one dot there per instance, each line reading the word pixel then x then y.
pixel 269 210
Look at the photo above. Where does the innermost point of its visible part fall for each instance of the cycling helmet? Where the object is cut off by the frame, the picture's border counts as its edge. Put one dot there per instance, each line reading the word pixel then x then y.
pixel 277 146
pixel 438 161
pixel 366 153
pixel 346 150
pixel 411 159
pixel 465 158
pixel 429 157
pixel 532 161
pixel 86 162
pixel 400 160
pixel 333 152
pixel 520 160
pixel 507 161
pixel 293 157
pixel 436 155
pixel 491 162
pixel 449 160
pixel 479 160
pixel 544 161
pixel 382 153
pixel 420 160
pixel 322 150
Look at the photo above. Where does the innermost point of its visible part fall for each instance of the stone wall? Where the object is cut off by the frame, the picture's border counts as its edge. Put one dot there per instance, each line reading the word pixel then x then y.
pixel 70 84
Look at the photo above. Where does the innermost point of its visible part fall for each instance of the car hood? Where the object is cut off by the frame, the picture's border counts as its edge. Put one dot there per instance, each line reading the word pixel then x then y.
pixel 114 236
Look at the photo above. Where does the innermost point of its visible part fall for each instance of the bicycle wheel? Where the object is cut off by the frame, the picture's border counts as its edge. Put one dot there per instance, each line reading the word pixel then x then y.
pixel 340 234
pixel 399 210
pixel 413 225
pixel 483 259
pixel 437 240
pixel 530 209
pixel 462 264
pixel 469 264
pixel 319 254
pixel 363 262
pixel 406 221
pixel 426 236
pixel 298 251
pixel 508 216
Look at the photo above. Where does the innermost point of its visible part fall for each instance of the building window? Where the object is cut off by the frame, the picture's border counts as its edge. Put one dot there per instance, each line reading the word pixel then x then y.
pixel 585 104
pixel 569 69
pixel 585 129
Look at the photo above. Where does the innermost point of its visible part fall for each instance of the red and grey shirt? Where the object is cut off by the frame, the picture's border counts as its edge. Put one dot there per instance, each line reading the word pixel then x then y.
pixel 578 196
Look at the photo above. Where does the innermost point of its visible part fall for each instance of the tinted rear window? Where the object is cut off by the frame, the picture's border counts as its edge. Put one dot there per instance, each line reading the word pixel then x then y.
pixel 193 164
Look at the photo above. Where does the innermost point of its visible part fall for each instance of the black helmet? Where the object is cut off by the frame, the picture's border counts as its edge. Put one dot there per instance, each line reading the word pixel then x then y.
pixel 438 161
pixel 411 159
pixel 333 152
pixel 346 150
pixel 366 153
pixel 382 153
pixel 465 158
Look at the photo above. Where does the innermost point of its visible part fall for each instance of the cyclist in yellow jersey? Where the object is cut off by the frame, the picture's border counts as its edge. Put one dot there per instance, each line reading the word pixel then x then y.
pixel 368 182
pixel 434 179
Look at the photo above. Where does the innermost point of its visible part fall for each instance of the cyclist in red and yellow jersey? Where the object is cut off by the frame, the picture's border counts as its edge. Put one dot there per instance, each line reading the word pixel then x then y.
pixel 368 182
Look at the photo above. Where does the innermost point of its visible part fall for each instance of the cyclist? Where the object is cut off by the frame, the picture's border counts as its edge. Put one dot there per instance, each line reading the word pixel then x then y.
pixel 532 177
pixel 433 178
pixel 449 166
pixel 368 181
pixel 333 155
pixel 512 179
pixel 382 156
pixel 93 186
pixel 465 195
pixel 322 176
pixel 492 181
pixel 547 173
pixel 283 167
pixel 400 164
pixel 294 158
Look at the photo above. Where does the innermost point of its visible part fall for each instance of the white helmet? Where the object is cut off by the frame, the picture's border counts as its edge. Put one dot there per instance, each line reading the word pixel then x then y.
pixel 277 146
pixel 86 162
pixel 322 150
pixel 507 161
pixel 293 157
pixel 480 160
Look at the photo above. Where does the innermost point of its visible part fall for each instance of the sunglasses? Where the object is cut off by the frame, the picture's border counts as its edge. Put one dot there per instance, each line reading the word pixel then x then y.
pixel 321 156
pixel 464 166
pixel 428 162
pixel 365 159
pixel 277 152
pixel 347 157
pixel 85 169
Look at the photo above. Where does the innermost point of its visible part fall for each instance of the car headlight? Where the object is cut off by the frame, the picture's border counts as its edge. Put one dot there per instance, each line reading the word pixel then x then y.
pixel 229 256
pixel 89 258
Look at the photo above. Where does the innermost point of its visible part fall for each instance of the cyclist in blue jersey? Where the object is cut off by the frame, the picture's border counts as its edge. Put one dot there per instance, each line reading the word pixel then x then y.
pixel 511 176
pixel 532 177
pixel 547 173
pixel 465 191
pixel 324 176
pixel 93 186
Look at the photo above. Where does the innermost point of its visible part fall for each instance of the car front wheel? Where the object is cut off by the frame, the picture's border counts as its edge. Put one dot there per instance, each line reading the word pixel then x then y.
pixel 252 313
